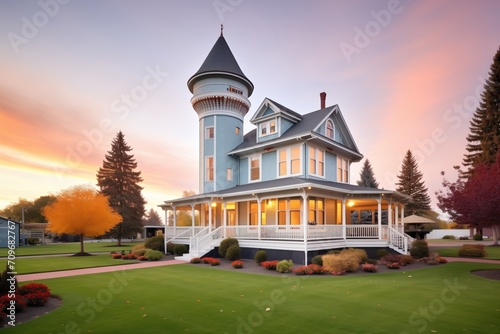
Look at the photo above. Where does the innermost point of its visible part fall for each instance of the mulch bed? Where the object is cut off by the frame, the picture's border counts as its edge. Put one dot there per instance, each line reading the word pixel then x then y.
pixel 33 312
pixel 488 273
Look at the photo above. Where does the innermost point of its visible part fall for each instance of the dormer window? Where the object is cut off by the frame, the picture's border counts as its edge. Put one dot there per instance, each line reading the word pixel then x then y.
pixel 268 128
pixel 330 132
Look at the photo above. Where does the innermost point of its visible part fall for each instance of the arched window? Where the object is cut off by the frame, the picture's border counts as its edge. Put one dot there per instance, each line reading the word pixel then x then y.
pixel 329 129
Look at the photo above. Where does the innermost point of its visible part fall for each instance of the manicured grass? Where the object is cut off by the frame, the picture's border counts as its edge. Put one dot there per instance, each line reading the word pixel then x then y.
pixel 194 299
pixel 55 263
pixel 69 248
pixel 492 253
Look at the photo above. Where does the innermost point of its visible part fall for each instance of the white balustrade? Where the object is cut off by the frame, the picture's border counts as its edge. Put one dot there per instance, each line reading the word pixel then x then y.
pixel 362 231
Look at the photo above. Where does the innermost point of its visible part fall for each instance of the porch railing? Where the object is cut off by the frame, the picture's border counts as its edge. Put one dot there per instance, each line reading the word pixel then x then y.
pixel 183 231
pixel 362 231
pixel 194 240
pixel 207 242
pixel 324 232
pixel 399 240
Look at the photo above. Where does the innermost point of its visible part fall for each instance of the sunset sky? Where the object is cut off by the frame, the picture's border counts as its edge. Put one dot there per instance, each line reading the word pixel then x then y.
pixel 405 74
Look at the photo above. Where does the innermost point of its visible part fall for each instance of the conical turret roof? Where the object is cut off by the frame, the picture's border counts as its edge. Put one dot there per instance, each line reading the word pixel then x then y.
pixel 220 62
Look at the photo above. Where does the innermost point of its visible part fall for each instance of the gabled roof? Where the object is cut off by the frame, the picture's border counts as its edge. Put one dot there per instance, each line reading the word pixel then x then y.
pixel 305 128
pixel 220 61
pixel 278 109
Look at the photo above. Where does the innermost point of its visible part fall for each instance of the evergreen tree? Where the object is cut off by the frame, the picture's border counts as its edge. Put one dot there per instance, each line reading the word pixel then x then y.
pixel 119 181
pixel 152 218
pixel 484 137
pixel 410 183
pixel 367 177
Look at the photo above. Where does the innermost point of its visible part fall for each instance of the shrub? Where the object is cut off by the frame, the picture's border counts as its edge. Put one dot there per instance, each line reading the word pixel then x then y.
pixel 390 258
pixel 233 253
pixel 284 266
pixel 170 248
pixel 371 261
pixel 338 264
pixel 318 259
pixel 117 256
pixel 260 257
pixel 472 251
pixel 237 264
pixel 419 249
pixel 477 237
pixel 441 259
pixel 381 253
pixel 195 260
pixel 153 255
pixel 180 249
pixel 211 261
pixel 33 241
pixel 156 243
pixel 225 244
pixel 432 261
pixel 405 260
pixel 394 265
pixel 269 265
pixel 464 238
pixel 450 237
pixel 132 256
pixel 32 288
pixel 142 258
pixel 312 269
pixel 37 298
pixel 369 268
pixel 333 251
pixel 20 302
pixel 360 254
pixel 139 249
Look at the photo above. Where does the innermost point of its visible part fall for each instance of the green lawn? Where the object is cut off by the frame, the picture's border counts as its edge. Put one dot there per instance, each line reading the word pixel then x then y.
pixel 69 247
pixel 198 299
pixel 492 253
pixel 55 263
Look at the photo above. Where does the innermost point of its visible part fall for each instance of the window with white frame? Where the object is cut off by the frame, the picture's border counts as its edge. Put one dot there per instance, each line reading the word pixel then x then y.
pixel 254 168
pixel 268 128
pixel 209 169
pixel 316 161
pixel 316 211
pixel 330 130
pixel 209 132
pixel 342 170
pixel 289 161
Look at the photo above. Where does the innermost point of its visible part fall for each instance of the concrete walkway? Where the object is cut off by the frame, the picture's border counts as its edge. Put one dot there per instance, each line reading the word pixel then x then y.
pixel 97 270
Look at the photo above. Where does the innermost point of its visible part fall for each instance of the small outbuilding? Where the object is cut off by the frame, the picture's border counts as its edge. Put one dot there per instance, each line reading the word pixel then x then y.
pixel 9 232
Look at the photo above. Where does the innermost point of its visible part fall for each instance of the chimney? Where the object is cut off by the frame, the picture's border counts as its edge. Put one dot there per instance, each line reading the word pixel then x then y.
pixel 322 97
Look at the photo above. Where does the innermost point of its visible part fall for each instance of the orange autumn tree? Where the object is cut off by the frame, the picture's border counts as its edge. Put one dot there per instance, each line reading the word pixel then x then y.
pixel 81 210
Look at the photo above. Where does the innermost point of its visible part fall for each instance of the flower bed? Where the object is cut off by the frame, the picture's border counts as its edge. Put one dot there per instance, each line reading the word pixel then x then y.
pixel 237 264
pixel 369 268
pixel 211 261
pixel 312 269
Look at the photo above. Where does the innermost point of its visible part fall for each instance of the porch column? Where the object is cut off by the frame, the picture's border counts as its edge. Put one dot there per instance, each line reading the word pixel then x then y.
pixel 175 219
pixel 224 219
pixel 396 216
pixel 344 228
pixel 379 209
pixel 210 217
pixel 259 217
pixel 389 215
pixel 192 220
pixel 403 217
pixel 304 223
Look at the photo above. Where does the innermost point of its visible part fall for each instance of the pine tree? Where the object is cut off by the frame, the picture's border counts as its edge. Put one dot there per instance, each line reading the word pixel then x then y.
pixel 152 218
pixel 484 137
pixel 367 177
pixel 411 184
pixel 119 181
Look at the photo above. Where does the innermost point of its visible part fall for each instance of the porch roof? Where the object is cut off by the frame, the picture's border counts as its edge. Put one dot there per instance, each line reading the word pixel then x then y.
pixel 284 184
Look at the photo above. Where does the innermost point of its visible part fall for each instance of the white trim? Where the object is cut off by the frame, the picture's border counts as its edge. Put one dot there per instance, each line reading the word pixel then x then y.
pixel 254 156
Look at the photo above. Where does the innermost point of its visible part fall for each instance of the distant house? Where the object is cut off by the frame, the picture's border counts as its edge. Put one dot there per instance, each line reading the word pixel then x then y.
pixel 9 231
pixel 285 185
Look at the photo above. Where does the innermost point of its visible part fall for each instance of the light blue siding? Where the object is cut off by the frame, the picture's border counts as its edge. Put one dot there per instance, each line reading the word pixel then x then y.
pixel 268 166
pixel 330 166
pixel 285 125
pixel 244 171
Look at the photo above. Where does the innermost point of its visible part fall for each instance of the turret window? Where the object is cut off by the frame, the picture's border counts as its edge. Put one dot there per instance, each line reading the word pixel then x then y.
pixel 209 132
pixel 209 169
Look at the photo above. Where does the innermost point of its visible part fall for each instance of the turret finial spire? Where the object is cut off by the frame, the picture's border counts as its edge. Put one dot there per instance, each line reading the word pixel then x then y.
pixel 221 30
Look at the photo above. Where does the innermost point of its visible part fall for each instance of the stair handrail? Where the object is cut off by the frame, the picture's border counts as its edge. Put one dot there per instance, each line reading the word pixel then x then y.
pixel 208 238
pixel 395 238
pixel 193 241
